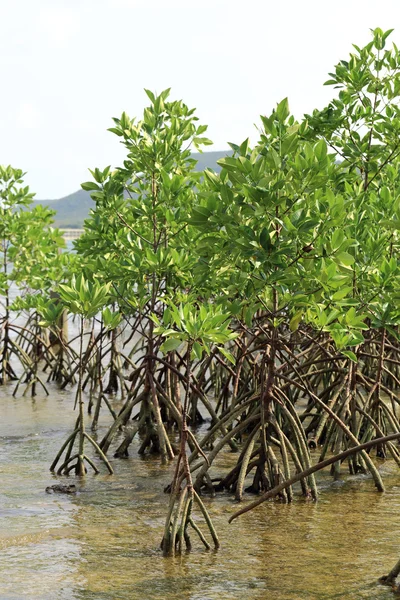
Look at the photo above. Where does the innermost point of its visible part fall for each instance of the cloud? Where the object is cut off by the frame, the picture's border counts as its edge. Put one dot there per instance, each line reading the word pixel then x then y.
pixel 58 24
pixel 28 116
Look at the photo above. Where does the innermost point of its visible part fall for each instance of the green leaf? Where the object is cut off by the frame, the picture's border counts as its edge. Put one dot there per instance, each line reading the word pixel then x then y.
pixel 248 317
pixel 350 355
pixel 345 258
pixel 282 110
pixel 227 355
pixel 265 240
pixel 289 143
pixel 337 239
pixel 170 344
pixel 198 350
pixel 89 186
pixel 320 150
pixel 150 95
pixel 340 294
pixel 111 319
pixel 295 321
pixel 200 215
pixel 116 131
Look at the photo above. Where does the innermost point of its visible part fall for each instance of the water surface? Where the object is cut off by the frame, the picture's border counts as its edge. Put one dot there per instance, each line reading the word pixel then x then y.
pixel 103 542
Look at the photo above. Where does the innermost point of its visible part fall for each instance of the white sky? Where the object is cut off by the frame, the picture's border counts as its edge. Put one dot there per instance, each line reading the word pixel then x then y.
pixel 68 66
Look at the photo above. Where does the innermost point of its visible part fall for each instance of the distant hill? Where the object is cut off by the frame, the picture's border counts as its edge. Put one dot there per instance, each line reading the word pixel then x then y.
pixel 72 210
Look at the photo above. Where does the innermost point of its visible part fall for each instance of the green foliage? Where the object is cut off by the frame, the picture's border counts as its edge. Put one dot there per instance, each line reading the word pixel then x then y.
pixel 302 228
pixel 85 298
pixel 285 263
pixel 200 327
pixel 49 310
pixel 111 319
pixel 310 216
pixel 31 247
pixel 137 237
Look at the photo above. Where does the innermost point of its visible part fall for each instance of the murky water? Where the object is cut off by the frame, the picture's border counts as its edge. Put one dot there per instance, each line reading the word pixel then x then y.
pixel 102 543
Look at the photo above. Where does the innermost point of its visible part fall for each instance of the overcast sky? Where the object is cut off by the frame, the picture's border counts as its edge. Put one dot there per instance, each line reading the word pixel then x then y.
pixel 68 66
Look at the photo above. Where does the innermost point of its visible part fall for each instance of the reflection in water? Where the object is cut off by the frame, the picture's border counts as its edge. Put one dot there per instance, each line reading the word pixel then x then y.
pixel 102 543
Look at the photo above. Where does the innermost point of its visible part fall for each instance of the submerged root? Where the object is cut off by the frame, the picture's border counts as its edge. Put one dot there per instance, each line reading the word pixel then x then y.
pixel 78 466
pixel 180 518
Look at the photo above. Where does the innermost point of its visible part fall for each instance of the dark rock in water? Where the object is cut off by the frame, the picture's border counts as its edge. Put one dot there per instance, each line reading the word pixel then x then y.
pixel 61 489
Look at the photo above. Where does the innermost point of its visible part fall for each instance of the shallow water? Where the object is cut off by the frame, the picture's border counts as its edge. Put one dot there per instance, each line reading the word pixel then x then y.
pixel 102 543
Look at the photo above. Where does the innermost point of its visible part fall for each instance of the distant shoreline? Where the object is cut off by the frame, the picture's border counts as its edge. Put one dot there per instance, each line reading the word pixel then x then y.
pixel 71 233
